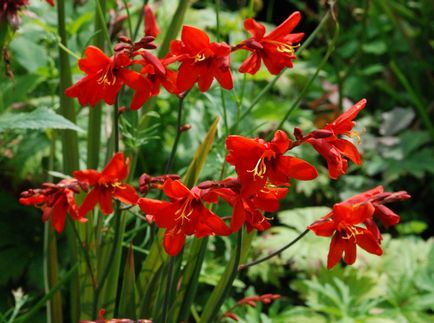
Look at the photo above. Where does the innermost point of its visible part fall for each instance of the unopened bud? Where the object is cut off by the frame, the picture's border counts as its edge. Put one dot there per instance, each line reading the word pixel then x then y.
pixel 321 133
pixel 122 109
pixel 185 127
pixel 298 133
pixel 121 47
pixel 125 39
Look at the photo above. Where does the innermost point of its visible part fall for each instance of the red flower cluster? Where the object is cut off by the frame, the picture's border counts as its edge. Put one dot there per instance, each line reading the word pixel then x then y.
pixel 345 220
pixel 55 200
pixel 200 61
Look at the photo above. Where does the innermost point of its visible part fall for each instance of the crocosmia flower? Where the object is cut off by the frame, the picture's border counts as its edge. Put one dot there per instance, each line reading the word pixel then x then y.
pixel 344 224
pixel 201 60
pixel 351 223
pixel 183 215
pixel 249 210
pixel 105 78
pixel 107 185
pixel 257 161
pixel 55 200
pixel 276 50
pixel 335 149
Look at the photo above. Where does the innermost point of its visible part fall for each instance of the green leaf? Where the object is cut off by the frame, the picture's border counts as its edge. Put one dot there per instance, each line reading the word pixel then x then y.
pixel 199 158
pixel 30 55
pixel 378 47
pixel 127 301
pixel 42 118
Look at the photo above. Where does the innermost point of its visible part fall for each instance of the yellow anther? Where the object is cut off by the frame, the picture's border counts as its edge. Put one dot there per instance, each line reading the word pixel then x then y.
pixel 108 77
pixel 260 168
pixel 199 57
pixel 185 211
pixel 357 135
pixel 351 231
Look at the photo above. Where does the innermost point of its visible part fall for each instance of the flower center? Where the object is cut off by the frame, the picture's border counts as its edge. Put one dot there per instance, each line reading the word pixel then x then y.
pixel 261 167
pixel 108 77
pixel 184 212
pixel 199 57
pixel 351 232
pixel 283 47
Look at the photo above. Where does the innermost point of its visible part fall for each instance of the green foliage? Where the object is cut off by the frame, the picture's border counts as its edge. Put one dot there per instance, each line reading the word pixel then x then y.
pixel 41 118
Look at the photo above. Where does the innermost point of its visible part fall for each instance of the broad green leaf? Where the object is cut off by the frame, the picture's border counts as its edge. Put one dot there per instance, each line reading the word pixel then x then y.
pixel 42 118
pixel 30 55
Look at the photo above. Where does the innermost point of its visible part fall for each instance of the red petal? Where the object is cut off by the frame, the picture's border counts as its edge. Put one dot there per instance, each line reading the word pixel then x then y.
pixel 285 27
pixel 58 214
pixel 117 168
pixel 347 149
pixel 362 197
pixel 336 250
pixel 188 74
pixel 285 167
pixel 105 201
pixel 89 202
pixel 194 39
pixel 210 224
pixel 344 122
pixel 173 242
pixel 387 217
pixel 89 176
pixel 95 60
pixel 238 216
pixel 367 241
pixel 350 251
pixel 280 141
pixel 126 194
pixel 175 189
pixel 163 212
pixel 323 228
pixel 254 28
pixel 151 27
pixel 251 65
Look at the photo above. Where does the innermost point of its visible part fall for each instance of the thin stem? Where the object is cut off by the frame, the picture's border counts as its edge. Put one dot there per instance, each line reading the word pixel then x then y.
pixel 35 309
pixel 275 253
pixel 107 268
pixel 300 96
pixel 178 134
pixel 116 125
pixel 169 287
pixel 103 26
pixel 130 25
pixel 85 254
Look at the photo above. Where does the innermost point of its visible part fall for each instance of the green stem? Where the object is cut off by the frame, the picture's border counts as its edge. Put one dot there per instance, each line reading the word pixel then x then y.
pixel 100 13
pixel 311 80
pixel 35 309
pixel 178 134
pixel 130 26
pixel 169 288
pixel 274 253
pixel 174 27
pixel 70 155
pixel 419 105
pixel 220 292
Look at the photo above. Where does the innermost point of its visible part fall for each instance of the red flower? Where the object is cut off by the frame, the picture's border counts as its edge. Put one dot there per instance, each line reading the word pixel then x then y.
pixel 334 149
pixel 343 223
pixel 246 209
pixel 106 185
pixel 345 217
pixel 156 73
pixel 151 27
pixel 51 2
pixel 105 77
pixel 184 215
pixel 201 61
pixel 55 200
pixel 257 161
pixel 276 49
